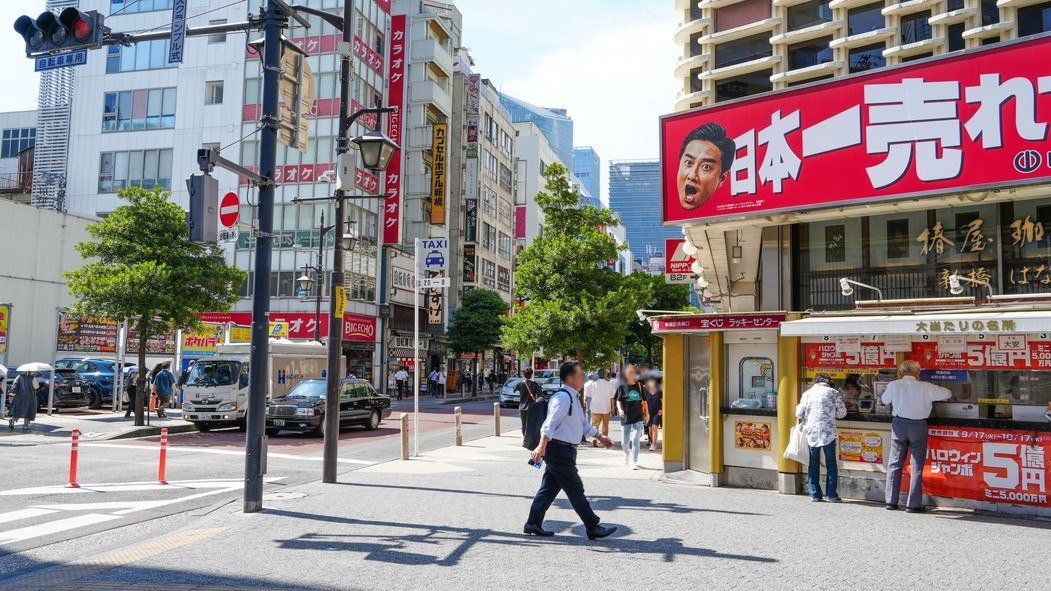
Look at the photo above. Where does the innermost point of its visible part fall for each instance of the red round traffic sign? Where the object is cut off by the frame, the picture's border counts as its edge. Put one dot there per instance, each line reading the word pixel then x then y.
pixel 229 209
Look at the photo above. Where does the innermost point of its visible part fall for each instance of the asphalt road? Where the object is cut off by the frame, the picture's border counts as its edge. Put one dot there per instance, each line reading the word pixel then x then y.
pixel 40 516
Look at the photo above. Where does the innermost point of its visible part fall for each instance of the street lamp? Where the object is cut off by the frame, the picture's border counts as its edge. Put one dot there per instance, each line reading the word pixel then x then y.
pixel 376 149
pixel 845 285
pixel 956 289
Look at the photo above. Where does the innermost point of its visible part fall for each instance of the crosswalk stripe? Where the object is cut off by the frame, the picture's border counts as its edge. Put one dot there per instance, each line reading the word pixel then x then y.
pixel 23 514
pixel 54 527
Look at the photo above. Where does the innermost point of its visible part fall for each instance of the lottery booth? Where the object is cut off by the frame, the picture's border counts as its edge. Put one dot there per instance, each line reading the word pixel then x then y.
pixel 726 378
pixel 989 443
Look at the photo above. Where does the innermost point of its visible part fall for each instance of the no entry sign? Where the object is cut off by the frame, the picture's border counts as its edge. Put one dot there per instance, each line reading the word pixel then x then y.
pixel 229 209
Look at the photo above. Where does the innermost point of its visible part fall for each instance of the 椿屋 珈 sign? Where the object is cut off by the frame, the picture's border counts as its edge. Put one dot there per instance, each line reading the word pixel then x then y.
pixel 967 121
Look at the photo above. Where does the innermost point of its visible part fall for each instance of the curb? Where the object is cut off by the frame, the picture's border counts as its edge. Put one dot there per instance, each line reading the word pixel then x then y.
pixel 150 431
pixel 474 399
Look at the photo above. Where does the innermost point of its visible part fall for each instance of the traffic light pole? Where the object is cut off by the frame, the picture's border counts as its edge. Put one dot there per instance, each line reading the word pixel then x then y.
pixel 255 445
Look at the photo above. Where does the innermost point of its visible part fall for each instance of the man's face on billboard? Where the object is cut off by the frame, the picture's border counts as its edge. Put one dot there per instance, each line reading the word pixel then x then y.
pixel 700 173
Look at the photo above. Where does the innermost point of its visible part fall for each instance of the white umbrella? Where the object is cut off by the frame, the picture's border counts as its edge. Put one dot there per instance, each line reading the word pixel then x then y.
pixel 35 366
pixel 3 372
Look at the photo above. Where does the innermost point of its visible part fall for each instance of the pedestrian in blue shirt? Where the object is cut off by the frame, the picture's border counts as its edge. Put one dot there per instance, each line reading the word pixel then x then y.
pixel 563 429
pixel 163 386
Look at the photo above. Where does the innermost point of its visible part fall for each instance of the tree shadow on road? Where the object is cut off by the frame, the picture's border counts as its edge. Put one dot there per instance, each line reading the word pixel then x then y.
pixel 395 548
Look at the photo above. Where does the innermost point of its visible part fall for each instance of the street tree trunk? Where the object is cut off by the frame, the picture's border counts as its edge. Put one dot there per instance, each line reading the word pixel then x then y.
pixel 140 377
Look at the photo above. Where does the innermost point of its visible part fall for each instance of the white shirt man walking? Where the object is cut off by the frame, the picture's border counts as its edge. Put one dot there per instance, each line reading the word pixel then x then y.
pixel 599 394
pixel 911 403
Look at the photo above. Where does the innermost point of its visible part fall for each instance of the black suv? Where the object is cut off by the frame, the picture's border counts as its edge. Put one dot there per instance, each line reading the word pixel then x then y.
pixel 303 409
pixel 71 390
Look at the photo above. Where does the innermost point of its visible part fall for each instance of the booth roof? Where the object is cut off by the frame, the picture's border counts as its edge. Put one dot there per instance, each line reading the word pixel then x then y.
pixel 977 321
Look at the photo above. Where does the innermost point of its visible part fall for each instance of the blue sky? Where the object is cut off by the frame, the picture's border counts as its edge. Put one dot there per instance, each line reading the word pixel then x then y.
pixel 609 62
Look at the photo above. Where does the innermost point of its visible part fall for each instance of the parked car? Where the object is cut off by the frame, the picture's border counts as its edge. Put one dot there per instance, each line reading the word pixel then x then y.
pixel 99 374
pixel 303 409
pixel 543 374
pixel 508 396
pixel 71 390
pixel 550 385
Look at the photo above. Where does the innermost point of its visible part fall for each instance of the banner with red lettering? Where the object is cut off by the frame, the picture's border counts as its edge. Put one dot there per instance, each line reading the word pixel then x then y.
pixel 395 124
pixel 986 465
pixel 828 355
pixel 963 122
pixel 301 324
pixel 984 355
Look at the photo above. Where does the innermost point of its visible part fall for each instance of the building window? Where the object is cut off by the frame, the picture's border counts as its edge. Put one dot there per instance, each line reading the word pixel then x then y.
pixel 506 214
pixel 694 13
pixel 505 246
pixel 130 6
pixel 809 53
pixel 865 18
pixel 990 40
pixel 695 81
pixel 492 166
pixel 1034 19
pixel 990 13
pixel 742 86
pixel 952 5
pixel 138 168
pixel 505 178
pixel 955 35
pixel 147 55
pixel 503 279
pixel 488 273
pixel 489 201
pixel 808 14
pixel 488 237
pixel 137 110
pixel 743 50
pixel 213 92
pixel 218 37
pixel 867 58
pixel 918 56
pixel 914 27
pixel 16 140
pixel 506 144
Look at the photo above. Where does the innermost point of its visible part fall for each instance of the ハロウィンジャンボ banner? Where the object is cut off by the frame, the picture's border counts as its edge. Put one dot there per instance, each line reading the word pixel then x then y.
pixel 958 123
pixel 986 465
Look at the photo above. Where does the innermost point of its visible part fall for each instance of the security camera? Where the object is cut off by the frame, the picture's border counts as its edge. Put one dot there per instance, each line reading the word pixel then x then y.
pixel 954 285
pixel 327 177
pixel 844 284
pixel 641 315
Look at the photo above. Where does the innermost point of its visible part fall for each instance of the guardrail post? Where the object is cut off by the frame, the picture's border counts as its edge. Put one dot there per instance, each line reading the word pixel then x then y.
pixel 404 436
pixel 496 418
pixel 457 412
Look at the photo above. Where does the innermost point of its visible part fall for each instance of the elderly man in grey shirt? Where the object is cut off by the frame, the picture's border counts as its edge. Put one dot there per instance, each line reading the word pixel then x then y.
pixel 911 402
pixel 563 429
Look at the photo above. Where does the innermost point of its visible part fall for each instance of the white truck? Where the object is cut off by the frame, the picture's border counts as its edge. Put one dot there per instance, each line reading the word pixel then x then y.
pixel 216 390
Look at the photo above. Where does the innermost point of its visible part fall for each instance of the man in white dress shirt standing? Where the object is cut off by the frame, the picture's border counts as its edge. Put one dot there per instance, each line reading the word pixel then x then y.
pixel 911 402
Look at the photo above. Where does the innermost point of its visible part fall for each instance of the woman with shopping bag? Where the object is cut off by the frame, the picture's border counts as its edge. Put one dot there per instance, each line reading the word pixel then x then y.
pixel 818 409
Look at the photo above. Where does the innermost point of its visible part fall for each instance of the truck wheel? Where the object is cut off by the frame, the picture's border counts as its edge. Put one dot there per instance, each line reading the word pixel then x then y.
pixel 374 421
pixel 272 432
pixel 242 425
pixel 204 427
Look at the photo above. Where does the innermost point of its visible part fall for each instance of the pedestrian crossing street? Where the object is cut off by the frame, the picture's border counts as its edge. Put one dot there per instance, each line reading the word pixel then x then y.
pixel 37 524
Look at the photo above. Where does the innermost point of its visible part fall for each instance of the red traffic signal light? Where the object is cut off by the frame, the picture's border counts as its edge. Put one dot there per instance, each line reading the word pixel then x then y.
pixel 70 30
pixel 80 24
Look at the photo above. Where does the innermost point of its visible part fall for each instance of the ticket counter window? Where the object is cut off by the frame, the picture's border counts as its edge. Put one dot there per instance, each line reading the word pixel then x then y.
pixel 756 378
pixel 1018 395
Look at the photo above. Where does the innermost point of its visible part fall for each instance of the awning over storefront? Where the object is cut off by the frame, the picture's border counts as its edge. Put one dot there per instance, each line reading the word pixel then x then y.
pixel 405 353
pixel 981 321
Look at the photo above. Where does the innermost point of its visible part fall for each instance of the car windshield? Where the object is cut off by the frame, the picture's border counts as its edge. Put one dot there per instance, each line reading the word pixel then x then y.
pixel 512 382
pixel 82 366
pixel 214 372
pixel 308 389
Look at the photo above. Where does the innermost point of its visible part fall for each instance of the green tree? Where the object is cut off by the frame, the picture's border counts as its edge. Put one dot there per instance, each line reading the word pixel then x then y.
pixel 642 344
pixel 575 303
pixel 477 323
pixel 144 268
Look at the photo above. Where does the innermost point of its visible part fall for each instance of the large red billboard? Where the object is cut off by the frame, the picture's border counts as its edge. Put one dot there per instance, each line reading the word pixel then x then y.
pixel 395 126
pixel 972 120
pixel 301 324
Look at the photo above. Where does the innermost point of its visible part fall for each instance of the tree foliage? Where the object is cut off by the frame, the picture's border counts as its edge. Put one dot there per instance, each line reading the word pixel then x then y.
pixel 145 269
pixel 576 304
pixel 642 344
pixel 477 323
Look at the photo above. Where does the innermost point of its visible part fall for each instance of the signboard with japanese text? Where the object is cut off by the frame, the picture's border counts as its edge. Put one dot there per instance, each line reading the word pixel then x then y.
pixel 470 222
pixel 99 335
pixel 963 122
pixel 5 322
pixel 368 55
pixel 848 344
pixel 861 446
pixel 435 303
pixel 987 465
pixel 828 355
pixel 983 355
pixel 177 40
pixel 752 435
pixel 717 322
pixel 952 343
pixel 301 325
pixel 470 268
pixel 201 343
pixel 395 124
pixel 677 263
pixel 438 157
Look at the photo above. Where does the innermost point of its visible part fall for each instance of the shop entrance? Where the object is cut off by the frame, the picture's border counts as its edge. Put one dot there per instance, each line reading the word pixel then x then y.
pixel 698 429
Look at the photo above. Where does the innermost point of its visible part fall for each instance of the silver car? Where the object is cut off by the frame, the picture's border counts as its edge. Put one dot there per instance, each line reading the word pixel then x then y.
pixel 508 396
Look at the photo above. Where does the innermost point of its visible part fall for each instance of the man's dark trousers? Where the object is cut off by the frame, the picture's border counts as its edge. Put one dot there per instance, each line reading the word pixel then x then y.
pixel 561 475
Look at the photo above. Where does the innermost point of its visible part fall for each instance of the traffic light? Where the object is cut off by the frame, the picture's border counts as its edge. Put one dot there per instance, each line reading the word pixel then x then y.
pixel 70 30
pixel 203 218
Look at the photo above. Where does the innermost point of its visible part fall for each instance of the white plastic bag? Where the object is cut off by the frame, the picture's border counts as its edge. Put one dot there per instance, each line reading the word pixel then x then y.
pixel 797 449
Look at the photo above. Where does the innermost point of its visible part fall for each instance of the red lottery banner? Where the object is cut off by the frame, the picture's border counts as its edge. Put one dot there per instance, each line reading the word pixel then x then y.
pixel 959 123
pixel 395 123
pixel 717 322
pixel 986 465
pixel 301 324
pixel 827 355
pixel 983 355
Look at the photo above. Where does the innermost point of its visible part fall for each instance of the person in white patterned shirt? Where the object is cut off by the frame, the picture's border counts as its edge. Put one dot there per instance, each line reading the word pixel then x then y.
pixel 819 408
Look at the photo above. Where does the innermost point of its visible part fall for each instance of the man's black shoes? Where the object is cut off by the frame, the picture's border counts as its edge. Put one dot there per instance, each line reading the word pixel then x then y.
pixel 536 530
pixel 601 531
pixel 892 507
pixel 915 509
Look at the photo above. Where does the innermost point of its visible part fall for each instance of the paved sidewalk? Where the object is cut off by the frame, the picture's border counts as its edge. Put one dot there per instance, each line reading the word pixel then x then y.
pixel 94 425
pixel 452 519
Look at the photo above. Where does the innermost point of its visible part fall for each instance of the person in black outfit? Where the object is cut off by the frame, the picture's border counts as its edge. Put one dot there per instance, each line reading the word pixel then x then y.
pixel 131 390
pixel 528 393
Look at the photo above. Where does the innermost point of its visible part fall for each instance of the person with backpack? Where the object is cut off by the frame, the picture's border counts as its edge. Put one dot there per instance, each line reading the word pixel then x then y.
pixel 528 393
pixel 632 409
pixel 563 427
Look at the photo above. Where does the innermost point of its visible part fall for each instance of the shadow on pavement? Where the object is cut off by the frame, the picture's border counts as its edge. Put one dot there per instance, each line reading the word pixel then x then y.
pixel 598 502
pixel 393 548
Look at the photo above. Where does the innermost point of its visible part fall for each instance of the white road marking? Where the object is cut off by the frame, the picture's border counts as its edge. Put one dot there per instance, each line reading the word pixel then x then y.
pixel 228 452
pixel 23 514
pixel 174 485
pixel 46 529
